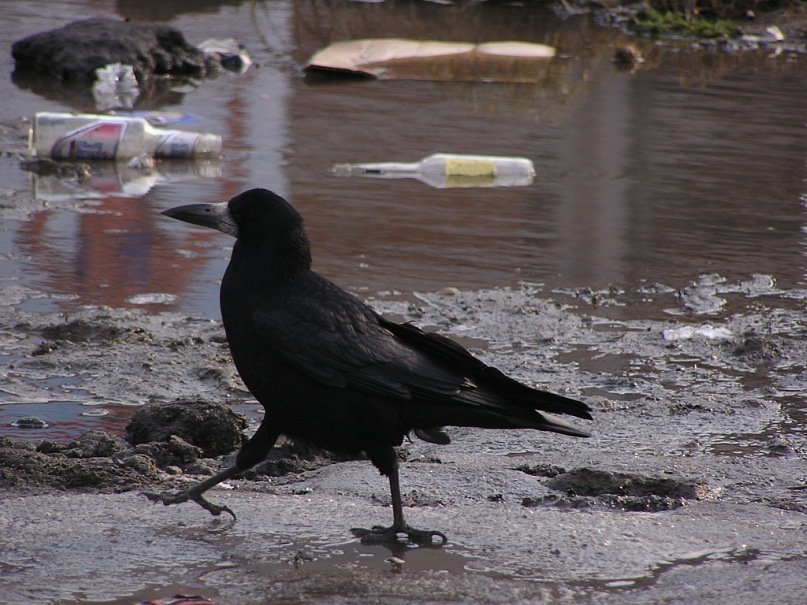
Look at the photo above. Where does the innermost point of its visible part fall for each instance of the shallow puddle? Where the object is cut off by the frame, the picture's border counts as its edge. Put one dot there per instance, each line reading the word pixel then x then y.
pixel 305 560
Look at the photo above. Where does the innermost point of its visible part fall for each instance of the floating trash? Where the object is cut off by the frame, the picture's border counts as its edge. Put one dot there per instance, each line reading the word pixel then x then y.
pixel 400 59
pixel 115 87
pixel 229 52
pixel 444 170
pixel 96 412
pixel 103 137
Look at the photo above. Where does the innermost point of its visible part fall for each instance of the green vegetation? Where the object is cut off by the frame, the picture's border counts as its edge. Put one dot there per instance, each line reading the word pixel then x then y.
pixel 670 22
pixel 694 18
pixel 693 10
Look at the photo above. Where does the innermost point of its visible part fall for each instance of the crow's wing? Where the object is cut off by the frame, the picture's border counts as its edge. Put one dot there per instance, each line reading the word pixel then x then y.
pixel 338 341
pixel 509 395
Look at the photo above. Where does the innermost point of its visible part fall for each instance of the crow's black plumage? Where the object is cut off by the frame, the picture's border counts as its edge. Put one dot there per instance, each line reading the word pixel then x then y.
pixel 332 372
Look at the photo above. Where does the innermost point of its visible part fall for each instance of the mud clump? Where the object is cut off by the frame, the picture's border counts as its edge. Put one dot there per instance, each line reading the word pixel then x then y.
pixel 163 441
pixel 541 470
pixel 585 488
pixel 95 460
pixel 590 482
pixel 214 428
pixel 87 331
pixel 75 51
pixel 174 454
pixel 92 444
pixel 100 461
pixel 758 349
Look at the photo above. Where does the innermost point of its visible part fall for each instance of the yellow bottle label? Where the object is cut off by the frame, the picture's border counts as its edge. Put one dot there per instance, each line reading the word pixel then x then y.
pixel 462 180
pixel 466 167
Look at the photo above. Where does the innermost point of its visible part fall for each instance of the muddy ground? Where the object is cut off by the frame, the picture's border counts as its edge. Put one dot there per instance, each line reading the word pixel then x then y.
pixel 693 487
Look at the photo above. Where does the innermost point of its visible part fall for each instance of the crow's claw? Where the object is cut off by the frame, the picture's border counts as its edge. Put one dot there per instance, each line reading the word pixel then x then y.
pixel 380 535
pixel 169 498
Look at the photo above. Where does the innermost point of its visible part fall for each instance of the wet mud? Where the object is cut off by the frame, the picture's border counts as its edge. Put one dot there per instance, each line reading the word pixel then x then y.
pixel 692 487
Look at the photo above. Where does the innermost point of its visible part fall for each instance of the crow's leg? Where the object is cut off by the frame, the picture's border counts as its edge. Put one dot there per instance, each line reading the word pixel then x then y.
pixel 254 451
pixel 194 493
pixel 388 464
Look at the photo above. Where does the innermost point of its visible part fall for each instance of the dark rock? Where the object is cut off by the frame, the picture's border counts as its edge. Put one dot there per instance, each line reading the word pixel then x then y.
pixel 650 503
pixel 140 464
pixel 213 427
pixel 75 51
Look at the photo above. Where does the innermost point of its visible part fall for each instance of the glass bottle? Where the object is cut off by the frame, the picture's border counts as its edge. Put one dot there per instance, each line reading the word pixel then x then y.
pixel 450 170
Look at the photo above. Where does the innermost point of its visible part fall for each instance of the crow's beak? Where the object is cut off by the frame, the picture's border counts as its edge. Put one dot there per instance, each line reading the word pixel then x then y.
pixel 215 216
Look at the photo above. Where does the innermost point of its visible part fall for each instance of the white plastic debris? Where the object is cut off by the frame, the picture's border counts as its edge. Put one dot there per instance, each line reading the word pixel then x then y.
pixel 705 331
pixel 115 87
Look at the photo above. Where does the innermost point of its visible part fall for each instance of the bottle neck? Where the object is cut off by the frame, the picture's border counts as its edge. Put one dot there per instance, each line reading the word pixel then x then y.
pixel 381 169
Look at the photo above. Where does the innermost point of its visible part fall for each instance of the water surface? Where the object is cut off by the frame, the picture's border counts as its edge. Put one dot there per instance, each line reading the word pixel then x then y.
pixel 692 165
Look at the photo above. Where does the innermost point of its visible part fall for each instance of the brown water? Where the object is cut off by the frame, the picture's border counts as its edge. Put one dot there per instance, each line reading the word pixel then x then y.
pixel 693 164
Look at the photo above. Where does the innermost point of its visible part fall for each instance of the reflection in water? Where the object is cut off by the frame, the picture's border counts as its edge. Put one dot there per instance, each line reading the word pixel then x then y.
pixel 106 255
pixel 693 163
pixel 79 97
pixel 97 180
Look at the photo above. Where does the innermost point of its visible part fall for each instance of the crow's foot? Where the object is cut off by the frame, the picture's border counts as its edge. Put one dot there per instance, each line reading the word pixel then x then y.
pixel 192 495
pixel 381 535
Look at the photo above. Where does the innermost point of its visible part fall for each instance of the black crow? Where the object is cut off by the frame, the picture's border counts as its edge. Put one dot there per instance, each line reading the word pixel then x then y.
pixel 332 372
